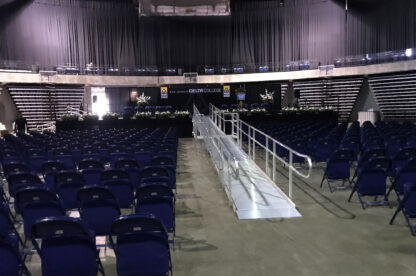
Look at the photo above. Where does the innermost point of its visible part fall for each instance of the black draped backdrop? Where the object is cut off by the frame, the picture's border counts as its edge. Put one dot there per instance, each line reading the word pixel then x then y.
pixel 110 33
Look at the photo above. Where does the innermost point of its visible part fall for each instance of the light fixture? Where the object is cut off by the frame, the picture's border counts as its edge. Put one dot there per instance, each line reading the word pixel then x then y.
pixel 409 52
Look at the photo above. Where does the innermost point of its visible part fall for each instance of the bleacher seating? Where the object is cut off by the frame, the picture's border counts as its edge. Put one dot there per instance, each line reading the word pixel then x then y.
pixel 96 172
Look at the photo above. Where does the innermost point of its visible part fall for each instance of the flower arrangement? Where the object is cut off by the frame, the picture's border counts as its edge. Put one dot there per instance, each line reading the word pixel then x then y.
pixel 111 116
pixel 90 117
pixel 69 118
pixel 267 96
pixel 240 110
pixel 288 110
pixel 178 113
pixel 143 100
pixel 258 110
pixel 142 115
pixel 163 114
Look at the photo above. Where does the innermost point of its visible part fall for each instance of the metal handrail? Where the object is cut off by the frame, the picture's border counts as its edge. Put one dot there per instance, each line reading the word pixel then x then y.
pixel 218 117
pixel 75 111
pixel 50 126
pixel 214 144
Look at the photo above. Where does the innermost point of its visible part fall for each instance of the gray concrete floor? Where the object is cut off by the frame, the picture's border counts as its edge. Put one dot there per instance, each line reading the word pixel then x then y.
pixel 333 237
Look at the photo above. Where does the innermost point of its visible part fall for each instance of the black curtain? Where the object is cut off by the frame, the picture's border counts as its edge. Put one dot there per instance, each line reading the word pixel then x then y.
pixel 260 32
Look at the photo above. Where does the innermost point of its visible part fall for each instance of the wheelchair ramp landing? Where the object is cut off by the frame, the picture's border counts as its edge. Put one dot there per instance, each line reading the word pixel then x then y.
pixel 252 194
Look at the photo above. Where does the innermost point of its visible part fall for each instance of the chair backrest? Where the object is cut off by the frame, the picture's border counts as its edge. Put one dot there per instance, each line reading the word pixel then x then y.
pixel 90 164
pixel 114 174
pixel 10 257
pixel 154 190
pixel 383 163
pixel 126 164
pixel 94 192
pixel 153 171
pixel 345 154
pixel 405 175
pixel 123 190
pixel 160 206
pixel 372 182
pixel 15 167
pixel 161 160
pixel 409 199
pixel 20 180
pixel 33 195
pixel 4 219
pixel 52 166
pixel 68 177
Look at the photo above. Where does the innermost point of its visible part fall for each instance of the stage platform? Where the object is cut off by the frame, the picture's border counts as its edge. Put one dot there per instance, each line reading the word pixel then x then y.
pixel 251 192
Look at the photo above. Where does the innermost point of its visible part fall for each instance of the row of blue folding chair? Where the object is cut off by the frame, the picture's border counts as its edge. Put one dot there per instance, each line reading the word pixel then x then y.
pixel 68 248
pixel 97 205
pixel 12 262
pixel 65 183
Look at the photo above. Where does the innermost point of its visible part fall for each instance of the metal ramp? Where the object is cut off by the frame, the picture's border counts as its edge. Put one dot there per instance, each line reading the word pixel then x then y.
pixel 252 194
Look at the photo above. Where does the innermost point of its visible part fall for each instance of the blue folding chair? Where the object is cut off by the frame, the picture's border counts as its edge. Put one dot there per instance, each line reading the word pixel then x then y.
pixel 123 190
pixel 36 159
pixel 49 171
pixel 143 155
pixel 405 175
pixel 338 169
pixel 36 203
pixel 67 185
pixel 90 153
pixel 167 162
pixel 21 180
pixel 11 262
pixel 131 167
pixel 142 246
pixel 15 167
pixel 65 156
pixel 98 208
pixel 158 200
pixel 408 205
pixel 156 174
pixel 91 171
pixel 371 183
pixel 67 248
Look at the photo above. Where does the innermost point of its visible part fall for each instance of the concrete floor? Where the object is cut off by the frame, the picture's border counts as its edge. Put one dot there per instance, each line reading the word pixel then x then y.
pixel 333 237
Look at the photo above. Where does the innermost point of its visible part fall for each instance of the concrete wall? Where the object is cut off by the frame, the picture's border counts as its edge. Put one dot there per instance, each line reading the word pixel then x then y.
pixel 155 81
pixel 8 111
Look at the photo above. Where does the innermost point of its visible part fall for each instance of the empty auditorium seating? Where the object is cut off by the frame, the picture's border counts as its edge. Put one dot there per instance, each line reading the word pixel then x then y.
pixel 94 172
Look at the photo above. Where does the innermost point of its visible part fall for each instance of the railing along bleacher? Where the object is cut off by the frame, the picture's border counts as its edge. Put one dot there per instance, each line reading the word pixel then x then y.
pixel 75 111
pixel 241 131
pixel 50 126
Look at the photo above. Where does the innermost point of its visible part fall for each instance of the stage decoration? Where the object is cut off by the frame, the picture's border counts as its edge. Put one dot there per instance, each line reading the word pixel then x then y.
pixel 90 118
pixel 240 110
pixel 267 97
pixel 181 113
pixel 143 100
pixel 69 118
pixel 111 116
pixel 143 115
pixel 163 114
pixel 304 110
pixel 258 110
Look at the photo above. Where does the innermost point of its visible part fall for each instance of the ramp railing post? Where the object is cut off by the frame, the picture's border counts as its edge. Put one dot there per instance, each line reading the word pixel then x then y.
pixel 290 173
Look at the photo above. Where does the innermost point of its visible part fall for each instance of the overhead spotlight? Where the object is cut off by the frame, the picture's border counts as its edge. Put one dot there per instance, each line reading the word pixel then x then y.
pixel 282 3
pixel 409 52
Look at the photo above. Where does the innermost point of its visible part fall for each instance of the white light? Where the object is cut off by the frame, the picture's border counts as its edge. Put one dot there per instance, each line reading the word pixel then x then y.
pixel 409 52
